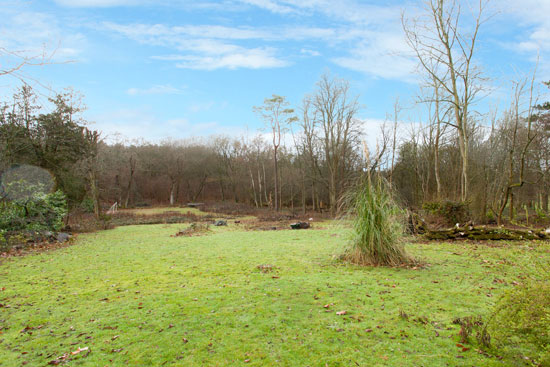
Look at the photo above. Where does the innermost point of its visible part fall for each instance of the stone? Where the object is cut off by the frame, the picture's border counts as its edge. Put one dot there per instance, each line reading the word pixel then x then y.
pixel 220 222
pixel 62 237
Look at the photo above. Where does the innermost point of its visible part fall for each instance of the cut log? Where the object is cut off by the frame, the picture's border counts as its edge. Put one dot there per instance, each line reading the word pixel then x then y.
pixel 484 233
pixel 300 225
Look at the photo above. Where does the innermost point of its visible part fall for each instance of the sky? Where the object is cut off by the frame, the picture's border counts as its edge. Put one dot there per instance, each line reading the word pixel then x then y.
pixel 193 68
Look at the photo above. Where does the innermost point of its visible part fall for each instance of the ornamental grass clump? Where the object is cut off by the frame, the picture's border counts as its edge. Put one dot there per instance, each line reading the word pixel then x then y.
pixel 378 225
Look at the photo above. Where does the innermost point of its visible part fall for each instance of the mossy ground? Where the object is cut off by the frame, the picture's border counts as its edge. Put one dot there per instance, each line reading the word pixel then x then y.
pixel 136 296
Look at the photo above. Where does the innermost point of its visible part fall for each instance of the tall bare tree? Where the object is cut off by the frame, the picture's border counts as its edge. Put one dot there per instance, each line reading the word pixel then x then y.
pixel 277 115
pixel 445 50
pixel 331 119
pixel 514 141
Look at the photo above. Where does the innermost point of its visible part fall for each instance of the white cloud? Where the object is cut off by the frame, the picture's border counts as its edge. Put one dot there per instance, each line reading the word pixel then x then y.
pixel 97 3
pixel 345 10
pixel 308 52
pixel 270 5
pixel 156 89
pixel 199 107
pixel 142 123
pixel 381 55
pixel 208 53
pixel 40 35
pixel 243 58
pixel 534 25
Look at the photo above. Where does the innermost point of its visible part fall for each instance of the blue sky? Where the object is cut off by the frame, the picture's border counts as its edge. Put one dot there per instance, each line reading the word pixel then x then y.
pixel 176 69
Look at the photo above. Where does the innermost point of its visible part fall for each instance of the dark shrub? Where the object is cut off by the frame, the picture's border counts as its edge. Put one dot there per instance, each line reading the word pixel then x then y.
pixel 451 212
pixel 27 217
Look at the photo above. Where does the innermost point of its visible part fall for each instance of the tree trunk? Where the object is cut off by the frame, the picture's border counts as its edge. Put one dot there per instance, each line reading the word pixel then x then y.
pixel 94 191
pixel 260 187
pixel 265 184
pixel 436 147
pixel 313 195
pixel 172 192
pixel 332 194
pixel 130 180
pixel 220 181
pixel 253 187
pixel 303 193
pixel 511 208
pixel 201 186
pixel 276 172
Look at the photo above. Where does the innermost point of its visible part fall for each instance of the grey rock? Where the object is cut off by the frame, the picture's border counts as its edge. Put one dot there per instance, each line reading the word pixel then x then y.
pixel 220 223
pixel 62 237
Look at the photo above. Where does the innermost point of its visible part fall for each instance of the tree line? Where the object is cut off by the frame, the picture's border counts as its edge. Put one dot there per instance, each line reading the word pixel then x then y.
pixel 308 159
pixel 497 164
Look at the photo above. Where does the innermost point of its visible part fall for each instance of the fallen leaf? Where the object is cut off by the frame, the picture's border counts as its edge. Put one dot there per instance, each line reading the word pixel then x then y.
pixel 339 313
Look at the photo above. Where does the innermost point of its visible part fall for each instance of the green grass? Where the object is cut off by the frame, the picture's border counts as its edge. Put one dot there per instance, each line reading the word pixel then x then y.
pixel 136 296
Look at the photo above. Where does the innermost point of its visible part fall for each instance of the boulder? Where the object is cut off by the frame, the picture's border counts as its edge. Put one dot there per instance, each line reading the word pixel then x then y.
pixel 62 237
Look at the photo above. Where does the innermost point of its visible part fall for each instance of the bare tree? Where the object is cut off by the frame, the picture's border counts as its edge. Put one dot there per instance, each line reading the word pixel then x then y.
pixel 333 122
pixel 132 170
pixel 514 141
pixel 446 53
pixel 396 111
pixel 13 62
pixel 277 116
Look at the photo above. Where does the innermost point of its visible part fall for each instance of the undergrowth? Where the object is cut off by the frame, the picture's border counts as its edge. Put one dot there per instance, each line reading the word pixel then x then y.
pixel 520 323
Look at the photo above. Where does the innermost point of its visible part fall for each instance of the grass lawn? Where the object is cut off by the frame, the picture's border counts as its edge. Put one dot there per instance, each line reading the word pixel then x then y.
pixel 136 296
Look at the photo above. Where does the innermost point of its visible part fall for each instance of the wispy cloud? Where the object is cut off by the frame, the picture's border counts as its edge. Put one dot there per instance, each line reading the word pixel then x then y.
pixel 373 48
pixel 381 55
pixel 271 5
pixel 156 89
pixel 97 3
pixel 210 52
pixel 199 107
pixel 34 34
pixel 309 52
pixel 535 26
pixel 136 123
pixel 249 59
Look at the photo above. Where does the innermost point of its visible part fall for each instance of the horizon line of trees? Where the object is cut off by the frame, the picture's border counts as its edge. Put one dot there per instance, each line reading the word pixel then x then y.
pixel 498 165
pixel 509 160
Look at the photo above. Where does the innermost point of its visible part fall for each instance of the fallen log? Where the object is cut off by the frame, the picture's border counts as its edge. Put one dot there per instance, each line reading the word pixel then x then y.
pixel 486 233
